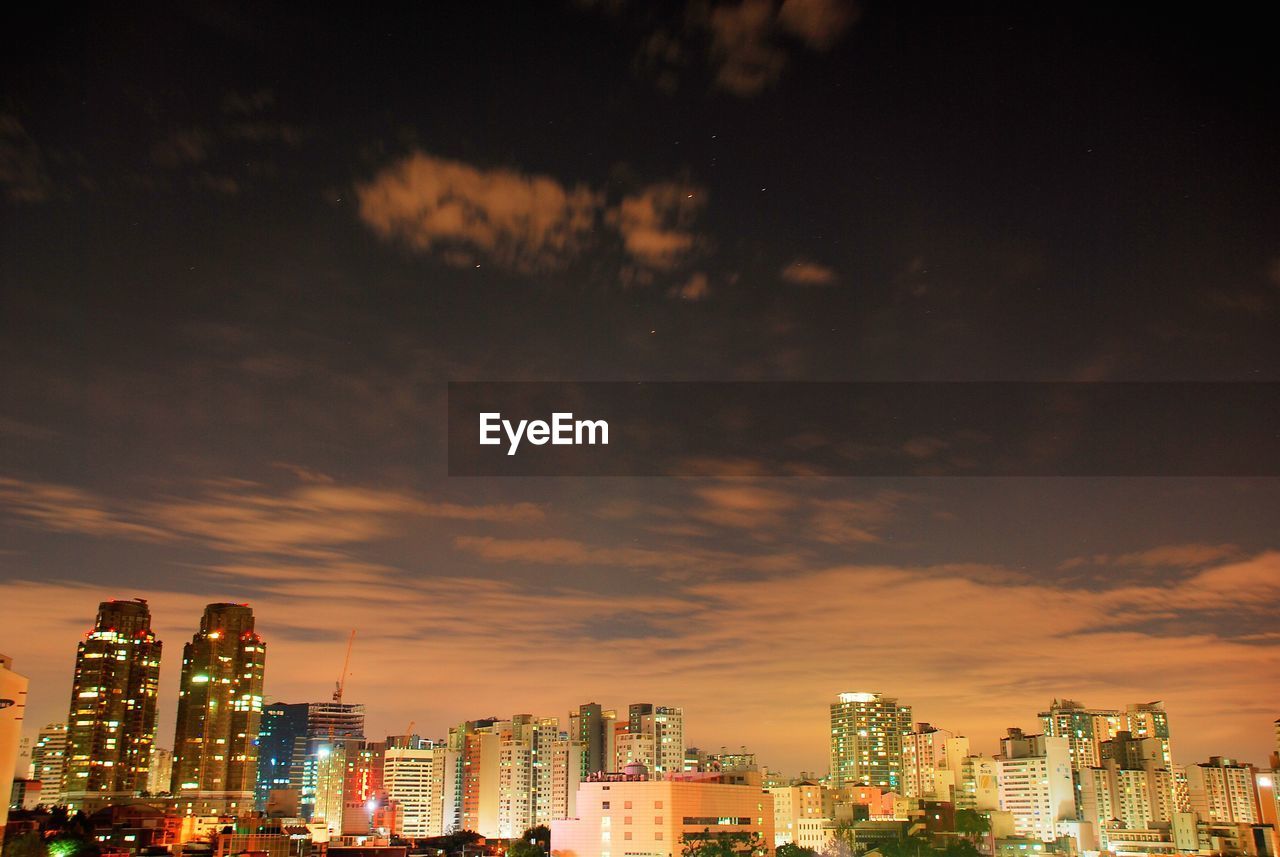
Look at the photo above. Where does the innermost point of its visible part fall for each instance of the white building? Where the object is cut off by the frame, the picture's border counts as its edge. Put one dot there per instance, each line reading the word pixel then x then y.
pixel 625 815
pixel 793 805
pixel 1035 783
pixel 13 706
pixel 421 782
pixel 1223 790
pixel 49 764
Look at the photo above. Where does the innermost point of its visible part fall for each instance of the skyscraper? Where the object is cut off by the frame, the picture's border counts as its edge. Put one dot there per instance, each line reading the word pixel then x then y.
pixel 111 724
pixel 49 763
pixel 867 730
pixel 591 732
pixel 280 733
pixel 318 770
pixel 13 706
pixel 1223 791
pixel 161 776
pixel 215 752
pixel 657 739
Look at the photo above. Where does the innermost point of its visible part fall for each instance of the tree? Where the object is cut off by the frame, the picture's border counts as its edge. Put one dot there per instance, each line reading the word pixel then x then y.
pixel 960 848
pixel 29 844
pixel 539 834
pixel 793 850
pixel 844 841
pixel 971 824
pixel 525 848
pixel 905 846
pixel 708 844
pixel 455 843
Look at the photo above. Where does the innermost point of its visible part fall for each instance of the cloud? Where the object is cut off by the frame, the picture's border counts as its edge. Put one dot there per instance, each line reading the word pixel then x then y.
pixel 745 57
pixel 656 224
pixel 696 288
pixel 22 168
pixel 748 50
pixel 522 222
pixel 805 273
pixel 743 505
pixel 819 23
pixel 183 148
pixel 248 103
pixel 530 223
pixel 1164 556
pixel 63 509
pixel 241 517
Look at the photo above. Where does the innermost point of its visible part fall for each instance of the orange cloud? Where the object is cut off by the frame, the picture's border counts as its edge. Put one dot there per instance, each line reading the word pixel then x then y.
pixel 656 223
pixel 519 221
pixel 805 273
pixel 747 48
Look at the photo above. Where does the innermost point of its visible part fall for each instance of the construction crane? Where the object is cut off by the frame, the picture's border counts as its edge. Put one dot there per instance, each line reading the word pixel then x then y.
pixel 327 751
pixel 342 681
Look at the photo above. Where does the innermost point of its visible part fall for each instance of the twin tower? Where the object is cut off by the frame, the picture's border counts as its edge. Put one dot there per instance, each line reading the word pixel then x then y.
pixel 111 725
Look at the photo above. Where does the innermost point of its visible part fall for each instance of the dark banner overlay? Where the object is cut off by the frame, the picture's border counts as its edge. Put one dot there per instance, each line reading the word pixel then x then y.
pixel 863 429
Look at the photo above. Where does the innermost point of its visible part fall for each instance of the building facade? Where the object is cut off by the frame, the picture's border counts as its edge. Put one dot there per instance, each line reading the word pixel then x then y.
pixel 13 708
pixel 630 814
pixel 111 724
pixel 215 744
pixel 867 732
pixel 49 763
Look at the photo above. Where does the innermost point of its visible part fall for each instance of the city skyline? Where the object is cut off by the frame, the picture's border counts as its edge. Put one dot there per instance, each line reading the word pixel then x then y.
pixel 846 701
pixel 246 249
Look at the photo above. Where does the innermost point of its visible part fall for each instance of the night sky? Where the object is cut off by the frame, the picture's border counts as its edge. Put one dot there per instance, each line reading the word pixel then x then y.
pixel 242 250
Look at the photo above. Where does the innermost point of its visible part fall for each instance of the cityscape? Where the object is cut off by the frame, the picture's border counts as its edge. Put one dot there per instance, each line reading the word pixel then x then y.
pixel 244 775
pixel 639 428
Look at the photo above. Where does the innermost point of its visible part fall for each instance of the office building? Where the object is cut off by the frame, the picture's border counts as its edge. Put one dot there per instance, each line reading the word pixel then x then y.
pixel 111 725
pixel 215 744
pixel 160 778
pixel 281 733
pixel 1223 791
pixel 867 731
pixel 1036 785
pixel 49 763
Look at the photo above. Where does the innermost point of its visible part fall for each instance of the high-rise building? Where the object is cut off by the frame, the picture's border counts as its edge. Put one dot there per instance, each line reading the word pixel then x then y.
pixel 593 727
pixel 318 771
pixel 653 736
pixel 977 782
pixel 13 707
pixel 282 732
pixel 866 740
pixel 420 782
pixel 160 779
pixel 1036 785
pixel 111 725
pixel 545 735
pixel 215 744
pixel 1130 792
pixel 923 755
pixel 1084 728
pixel 1223 791
pixel 566 775
pixel 335 730
pixel 1150 720
pixel 49 763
